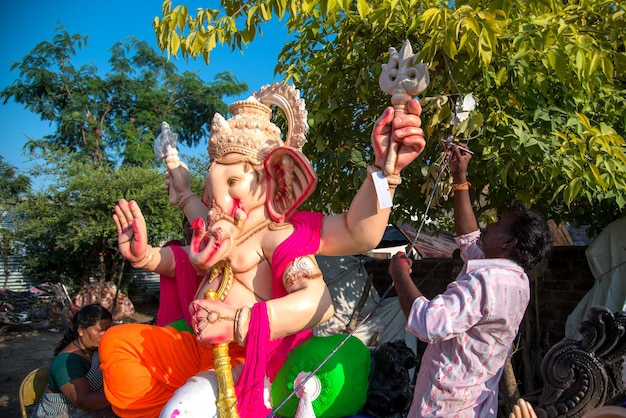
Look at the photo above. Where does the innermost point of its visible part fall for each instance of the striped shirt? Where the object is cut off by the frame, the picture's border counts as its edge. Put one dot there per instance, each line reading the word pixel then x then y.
pixel 470 329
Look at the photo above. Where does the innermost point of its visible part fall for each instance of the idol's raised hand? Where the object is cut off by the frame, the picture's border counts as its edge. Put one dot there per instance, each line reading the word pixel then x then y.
pixel 132 239
pixel 177 180
pixel 404 129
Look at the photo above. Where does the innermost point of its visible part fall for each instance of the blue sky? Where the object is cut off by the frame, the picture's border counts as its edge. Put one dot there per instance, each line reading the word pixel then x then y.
pixel 29 22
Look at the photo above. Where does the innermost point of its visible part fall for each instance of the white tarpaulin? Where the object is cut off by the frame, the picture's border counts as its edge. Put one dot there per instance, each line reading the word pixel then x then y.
pixel 346 278
pixel 606 256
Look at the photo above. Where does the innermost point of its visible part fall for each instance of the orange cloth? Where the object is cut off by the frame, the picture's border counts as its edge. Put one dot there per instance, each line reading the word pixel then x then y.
pixel 143 365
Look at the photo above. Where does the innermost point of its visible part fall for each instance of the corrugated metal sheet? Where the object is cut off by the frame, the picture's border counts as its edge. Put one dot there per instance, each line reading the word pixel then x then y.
pixel 16 279
pixel 144 285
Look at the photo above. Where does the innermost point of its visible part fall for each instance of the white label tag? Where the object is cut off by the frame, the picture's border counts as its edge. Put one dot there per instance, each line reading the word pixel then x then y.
pixel 382 189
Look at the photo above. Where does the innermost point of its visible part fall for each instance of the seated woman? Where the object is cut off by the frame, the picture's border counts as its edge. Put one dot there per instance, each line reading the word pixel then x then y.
pixel 75 380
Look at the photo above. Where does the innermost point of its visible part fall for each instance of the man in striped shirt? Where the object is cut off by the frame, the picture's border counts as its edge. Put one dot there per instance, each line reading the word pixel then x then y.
pixel 471 327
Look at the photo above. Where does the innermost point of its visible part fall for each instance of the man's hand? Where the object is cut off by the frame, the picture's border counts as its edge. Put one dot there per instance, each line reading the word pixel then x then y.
pixel 458 164
pixel 400 266
pixel 400 272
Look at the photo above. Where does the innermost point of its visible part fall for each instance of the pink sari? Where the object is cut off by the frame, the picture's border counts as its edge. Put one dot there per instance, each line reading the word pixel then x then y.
pixel 177 292
pixel 265 357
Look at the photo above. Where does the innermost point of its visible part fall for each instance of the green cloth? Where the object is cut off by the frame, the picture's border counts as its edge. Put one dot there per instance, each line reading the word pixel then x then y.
pixel 181 325
pixel 344 377
pixel 66 367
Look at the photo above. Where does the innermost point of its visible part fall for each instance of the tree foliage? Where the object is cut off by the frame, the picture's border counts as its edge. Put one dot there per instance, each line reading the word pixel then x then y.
pixel 101 150
pixel 66 228
pixel 115 118
pixel 14 185
pixel 548 77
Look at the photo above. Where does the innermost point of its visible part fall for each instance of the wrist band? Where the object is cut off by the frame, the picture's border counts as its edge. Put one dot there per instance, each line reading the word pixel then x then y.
pixel 393 180
pixel 184 199
pixel 461 186
pixel 145 260
pixel 242 321
pixel 372 168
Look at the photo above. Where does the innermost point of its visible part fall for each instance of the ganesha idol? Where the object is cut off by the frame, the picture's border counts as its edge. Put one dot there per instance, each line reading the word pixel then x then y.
pixel 248 289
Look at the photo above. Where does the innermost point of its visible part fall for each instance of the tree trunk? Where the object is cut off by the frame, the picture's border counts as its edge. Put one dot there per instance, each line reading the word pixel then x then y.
pixel 509 393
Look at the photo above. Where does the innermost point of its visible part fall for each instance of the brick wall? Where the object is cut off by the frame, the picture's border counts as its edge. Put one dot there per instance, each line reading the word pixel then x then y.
pixel 560 285
pixel 556 286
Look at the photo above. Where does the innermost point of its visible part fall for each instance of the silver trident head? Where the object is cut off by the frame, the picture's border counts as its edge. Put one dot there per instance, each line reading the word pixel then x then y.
pixel 165 142
pixel 403 79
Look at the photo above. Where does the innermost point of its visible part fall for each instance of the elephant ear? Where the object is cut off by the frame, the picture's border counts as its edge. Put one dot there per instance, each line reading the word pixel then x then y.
pixel 290 181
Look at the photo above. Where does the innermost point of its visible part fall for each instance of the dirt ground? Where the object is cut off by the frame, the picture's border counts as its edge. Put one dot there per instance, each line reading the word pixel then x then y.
pixel 23 349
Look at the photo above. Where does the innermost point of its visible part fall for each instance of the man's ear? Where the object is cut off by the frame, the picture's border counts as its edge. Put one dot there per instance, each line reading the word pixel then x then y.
pixel 510 243
pixel 290 181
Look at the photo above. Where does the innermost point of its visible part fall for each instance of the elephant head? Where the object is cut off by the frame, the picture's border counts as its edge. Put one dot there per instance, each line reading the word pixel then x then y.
pixel 254 177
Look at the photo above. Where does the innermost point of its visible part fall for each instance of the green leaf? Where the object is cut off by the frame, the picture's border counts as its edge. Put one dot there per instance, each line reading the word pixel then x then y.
pixel 558 64
pixel 362 8
pixel 572 191
pixel 175 44
pixel 429 17
pixel 596 175
pixel 607 68
pixel 501 76
pixel 472 24
pixel 449 46
pixel 594 63
pixel 266 13
pixel 579 62
pixel 586 42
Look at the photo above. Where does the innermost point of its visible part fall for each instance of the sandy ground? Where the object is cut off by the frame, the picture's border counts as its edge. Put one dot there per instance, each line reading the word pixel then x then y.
pixel 23 349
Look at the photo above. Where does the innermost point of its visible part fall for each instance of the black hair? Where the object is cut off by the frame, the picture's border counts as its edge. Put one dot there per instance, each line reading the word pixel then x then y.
pixel 534 239
pixel 87 316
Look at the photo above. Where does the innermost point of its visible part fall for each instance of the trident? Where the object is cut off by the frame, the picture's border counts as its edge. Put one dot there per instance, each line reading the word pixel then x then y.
pixel 403 79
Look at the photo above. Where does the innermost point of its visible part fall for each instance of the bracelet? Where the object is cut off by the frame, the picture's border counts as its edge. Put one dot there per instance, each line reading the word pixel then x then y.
pixel 372 168
pixel 242 322
pixel 184 199
pixel 461 186
pixel 145 260
pixel 392 181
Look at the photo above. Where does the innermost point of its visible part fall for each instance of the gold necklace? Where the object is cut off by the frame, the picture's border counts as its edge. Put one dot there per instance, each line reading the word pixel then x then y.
pixel 250 232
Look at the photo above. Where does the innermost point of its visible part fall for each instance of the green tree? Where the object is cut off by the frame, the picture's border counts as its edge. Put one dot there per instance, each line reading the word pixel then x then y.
pixel 13 188
pixel 116 117
pixel 101 150
pixel 14 185
pixel 548 78
pixel 67 229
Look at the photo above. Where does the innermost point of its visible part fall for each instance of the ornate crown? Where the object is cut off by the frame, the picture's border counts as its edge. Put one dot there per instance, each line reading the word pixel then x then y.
pixel 250 131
